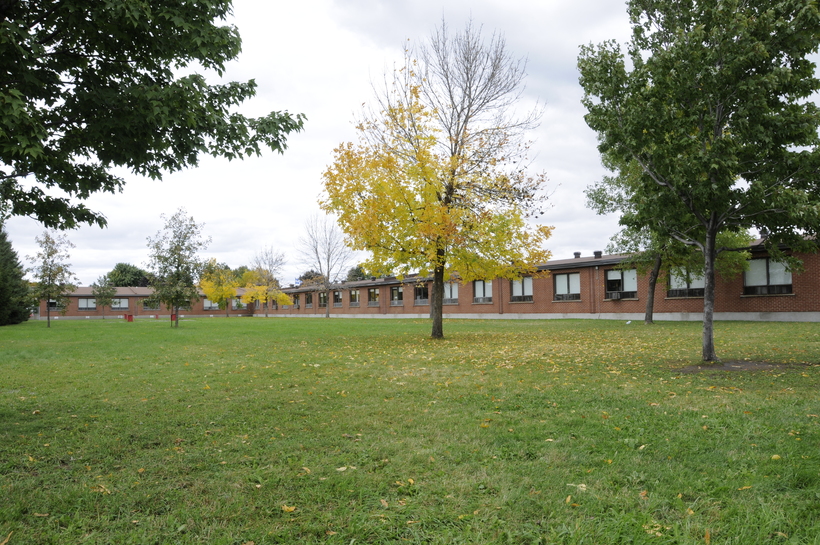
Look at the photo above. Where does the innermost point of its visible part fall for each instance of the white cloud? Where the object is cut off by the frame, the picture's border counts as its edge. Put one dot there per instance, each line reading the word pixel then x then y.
pixel 319 58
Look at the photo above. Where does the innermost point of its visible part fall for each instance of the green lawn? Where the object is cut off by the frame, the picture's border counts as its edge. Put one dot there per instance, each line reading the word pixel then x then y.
pixel 365 431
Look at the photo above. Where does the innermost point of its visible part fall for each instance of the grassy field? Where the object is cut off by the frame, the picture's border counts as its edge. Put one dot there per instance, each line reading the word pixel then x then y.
pixel 308 431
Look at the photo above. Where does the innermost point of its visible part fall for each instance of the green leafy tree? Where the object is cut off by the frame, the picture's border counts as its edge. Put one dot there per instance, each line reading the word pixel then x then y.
pixel 15 299
pixel 53 279
pixel 651 251
pixel 437 182
pixel 219 284
pixel 126 275
pixel 174 263
pixel 356 273
pixel 311 277
pixel 88 86
pixel 715 110
pixel 104 292
pixel 240 271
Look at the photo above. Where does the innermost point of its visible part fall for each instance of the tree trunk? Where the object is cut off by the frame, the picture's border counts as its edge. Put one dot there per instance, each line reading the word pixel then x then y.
pixel 709 256
pixel 175 322
pixel 650 296
pixel 327 303
pixel 437 303
pixel 48 314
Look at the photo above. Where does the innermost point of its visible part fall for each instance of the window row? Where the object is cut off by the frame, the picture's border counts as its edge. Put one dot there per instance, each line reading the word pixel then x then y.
pixel 763 277
pixel 85 303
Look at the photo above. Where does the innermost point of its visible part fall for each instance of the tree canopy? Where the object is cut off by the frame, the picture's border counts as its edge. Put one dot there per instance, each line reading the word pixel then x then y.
pixel 174 262
pixel 437 182
pixel 219 284
pixel 261 283
pixel 104 293
pixel 15 300
pixel 713 108
pixel 651 249
pixel 87 86
pixel 53 279
pixel 127 275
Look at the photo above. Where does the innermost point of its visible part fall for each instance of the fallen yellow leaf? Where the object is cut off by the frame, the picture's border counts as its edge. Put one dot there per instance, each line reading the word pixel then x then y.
pixel 288 509
pixel 384 503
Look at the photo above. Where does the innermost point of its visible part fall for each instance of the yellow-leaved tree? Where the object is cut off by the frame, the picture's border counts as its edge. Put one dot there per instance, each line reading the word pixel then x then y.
pixel 262 289
pixel 219 284
pixel 437 182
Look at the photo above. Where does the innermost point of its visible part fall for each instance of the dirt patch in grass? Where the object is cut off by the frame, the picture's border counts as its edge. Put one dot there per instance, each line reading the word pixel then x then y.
pixel 730 366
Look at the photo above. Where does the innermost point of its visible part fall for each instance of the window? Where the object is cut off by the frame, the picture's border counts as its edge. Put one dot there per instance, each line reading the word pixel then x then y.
pixel 450 293
pixel 87 304
pixel 567 287
pixel 685 284
pixel 237 304
pixel 148 304
pixel 337 299
pixel 483 291
pixel 52 304
pixel 308 300
pixel 354 298
pixel 767 277
pixel 397 296
pixel 421 294
pixel 373 297
pixel 521 290
pixel 621 284
pixel 207 304
pixel 322 299
pixel 295 298
pixel 119 304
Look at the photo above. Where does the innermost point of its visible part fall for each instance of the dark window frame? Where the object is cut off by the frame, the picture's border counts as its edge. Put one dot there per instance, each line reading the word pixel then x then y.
pixel 613 294
pixel 768 288
pixel 569 295
pixel 373 295
pixel 421 294
pixel 396 296
pixel 523 297
pixel 684 292
pixel 483 298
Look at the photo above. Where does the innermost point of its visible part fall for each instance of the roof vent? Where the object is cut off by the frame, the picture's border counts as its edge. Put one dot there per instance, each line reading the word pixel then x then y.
pixel 577 255
pixel 597 254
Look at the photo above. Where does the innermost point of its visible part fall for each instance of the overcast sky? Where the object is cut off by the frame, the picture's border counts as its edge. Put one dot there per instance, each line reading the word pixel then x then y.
pixel 320 58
